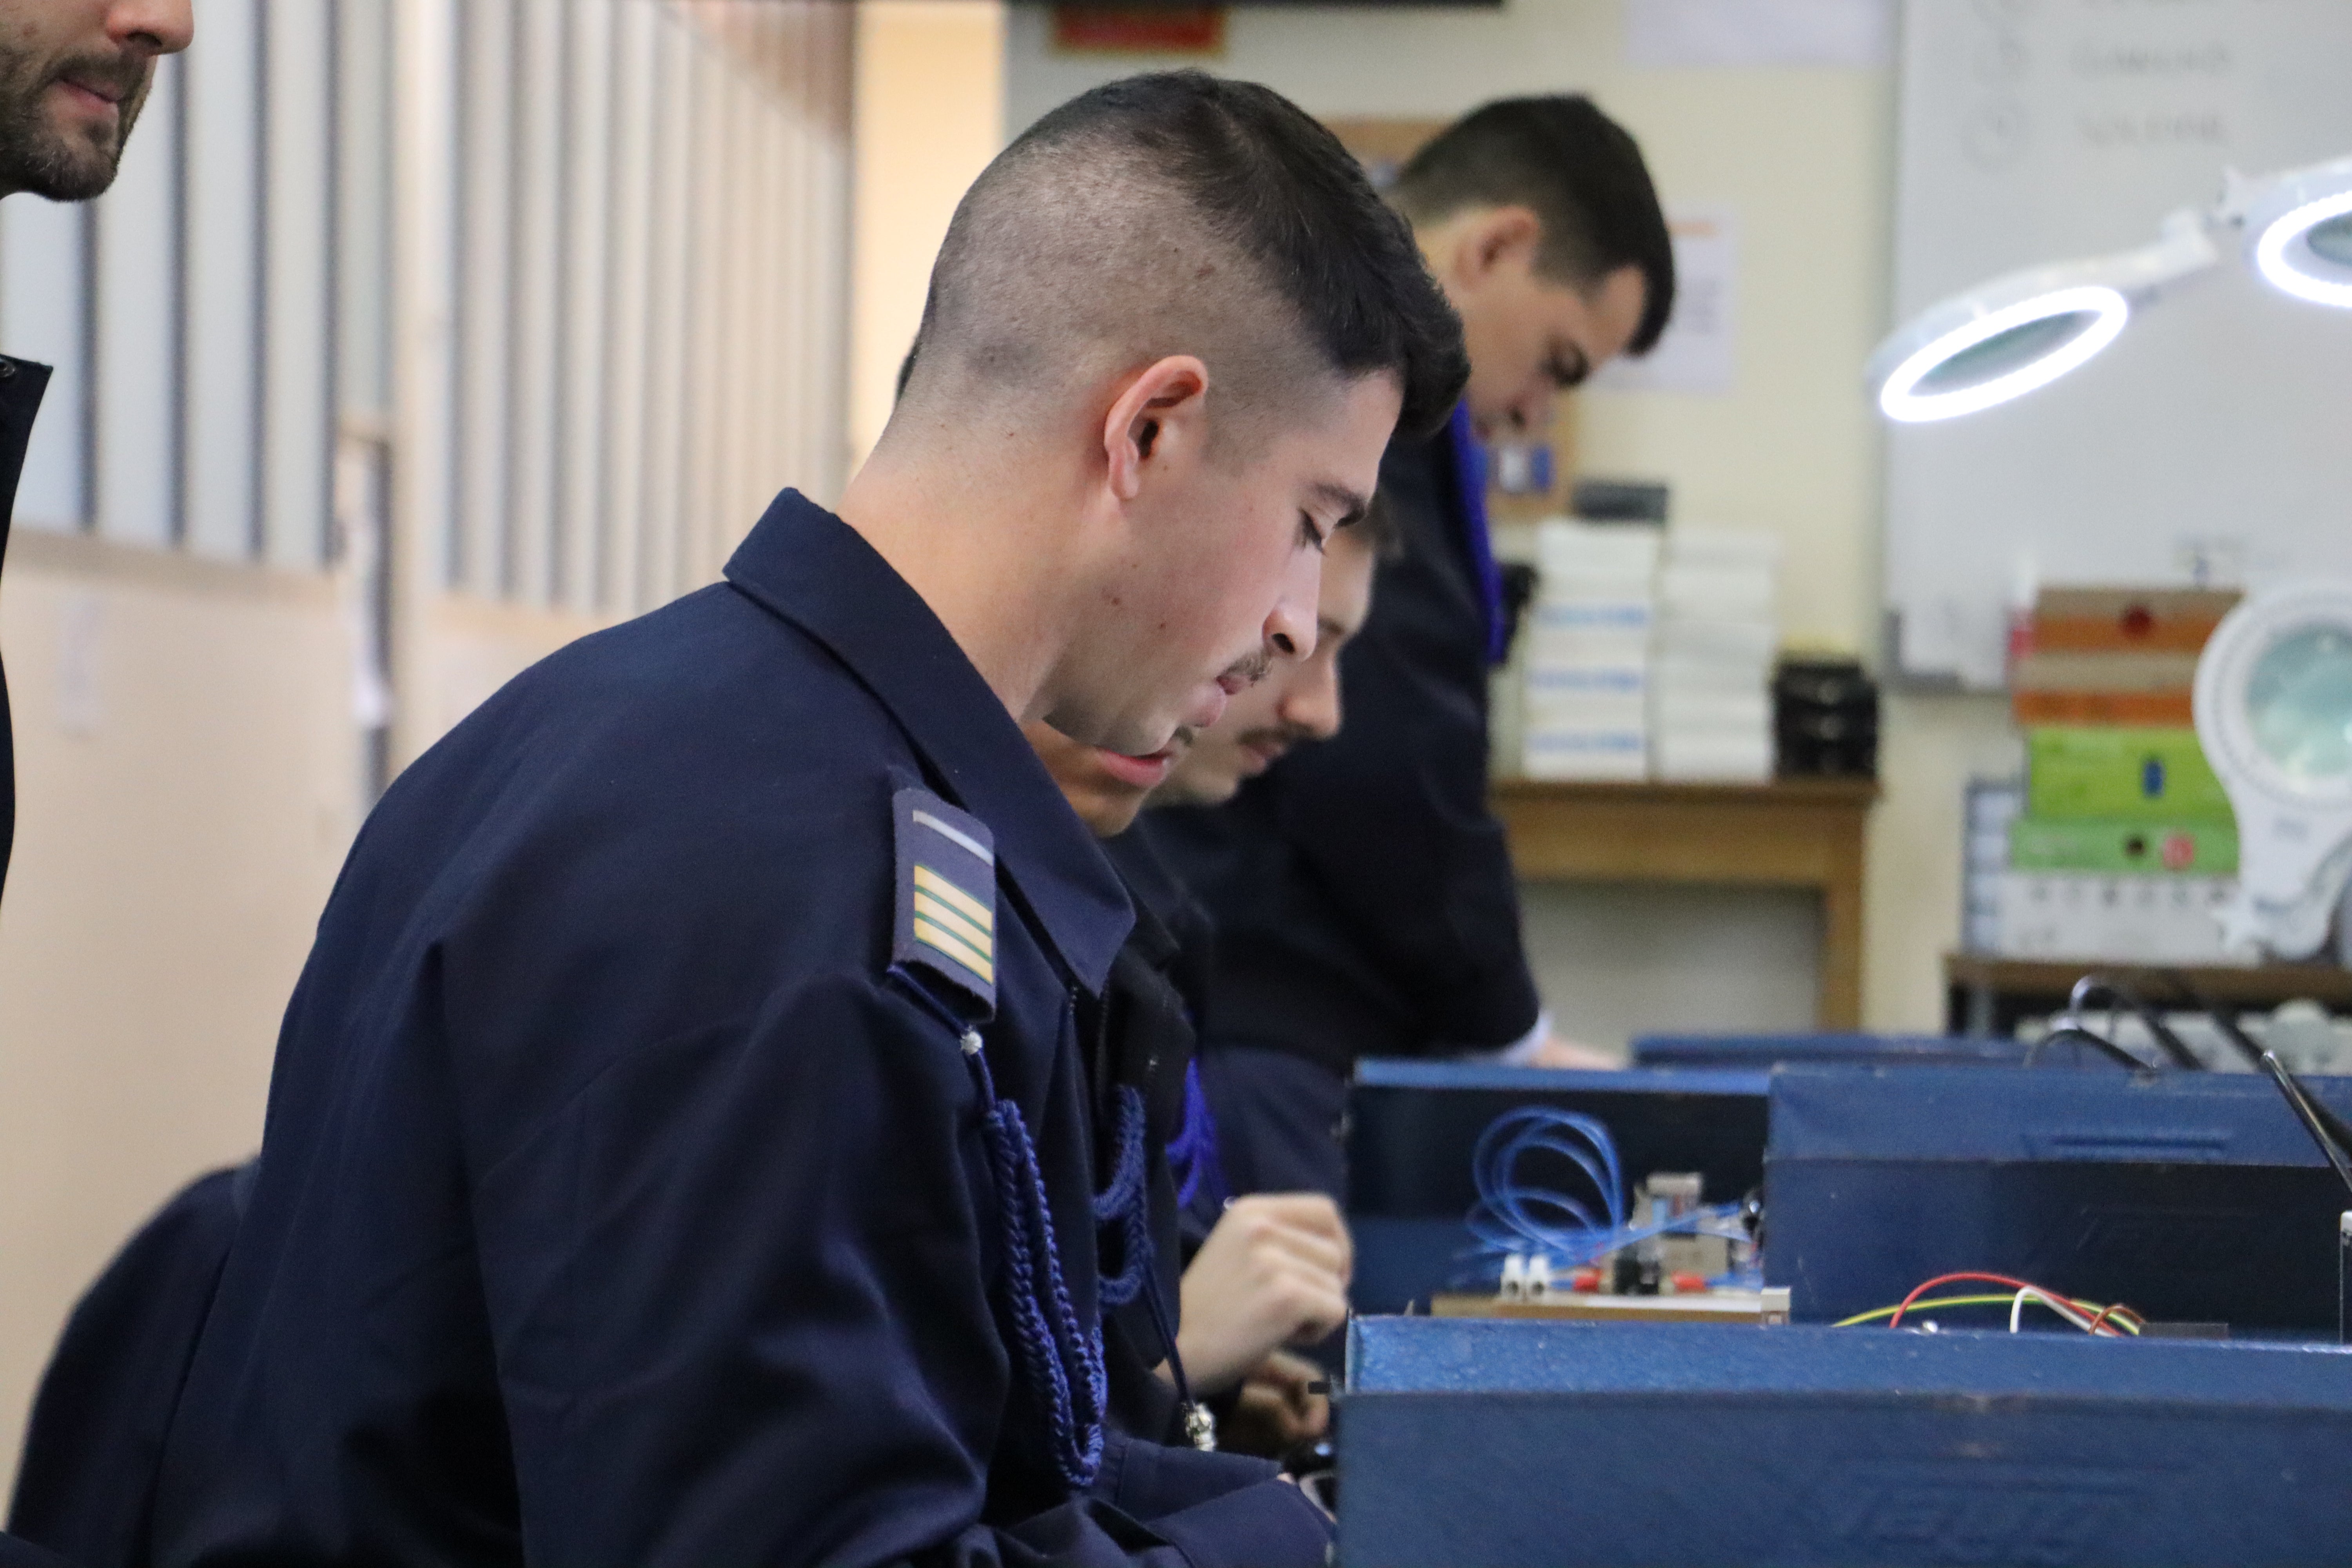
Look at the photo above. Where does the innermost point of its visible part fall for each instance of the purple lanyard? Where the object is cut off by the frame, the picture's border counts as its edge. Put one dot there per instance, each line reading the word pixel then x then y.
pixel 1470 509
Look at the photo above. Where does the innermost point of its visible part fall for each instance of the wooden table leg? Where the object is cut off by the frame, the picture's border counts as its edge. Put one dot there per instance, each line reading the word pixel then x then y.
pixel 1840 993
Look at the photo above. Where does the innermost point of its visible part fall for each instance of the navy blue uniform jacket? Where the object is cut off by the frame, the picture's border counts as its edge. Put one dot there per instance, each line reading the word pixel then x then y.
pixel 617 1205
pixel 1362 890
pixel 21 386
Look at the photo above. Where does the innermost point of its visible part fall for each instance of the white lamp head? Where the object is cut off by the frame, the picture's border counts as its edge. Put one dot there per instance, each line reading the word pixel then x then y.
pixel 2299 232
pixel 2274 717
pixel 2023 330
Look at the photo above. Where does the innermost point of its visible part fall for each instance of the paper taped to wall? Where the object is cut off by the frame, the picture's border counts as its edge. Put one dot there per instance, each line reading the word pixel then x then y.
pixel 1669 33
pixel 1696 353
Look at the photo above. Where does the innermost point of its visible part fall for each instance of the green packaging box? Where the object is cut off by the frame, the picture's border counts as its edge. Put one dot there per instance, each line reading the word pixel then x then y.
pixel 2078 772
pixel 2110 847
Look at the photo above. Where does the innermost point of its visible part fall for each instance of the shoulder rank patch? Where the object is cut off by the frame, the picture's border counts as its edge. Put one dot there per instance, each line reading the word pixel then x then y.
pixel 947 894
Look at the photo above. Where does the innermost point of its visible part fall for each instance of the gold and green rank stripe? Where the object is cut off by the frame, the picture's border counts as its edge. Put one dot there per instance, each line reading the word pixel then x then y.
pixel 955 924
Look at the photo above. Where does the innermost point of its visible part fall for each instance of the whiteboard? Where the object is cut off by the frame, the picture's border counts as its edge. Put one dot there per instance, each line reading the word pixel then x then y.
pixel 2213 442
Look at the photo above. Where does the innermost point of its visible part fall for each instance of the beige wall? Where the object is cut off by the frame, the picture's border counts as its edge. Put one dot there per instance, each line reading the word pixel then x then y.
pixel 929 102
pixel 1803 155
pixel 188 778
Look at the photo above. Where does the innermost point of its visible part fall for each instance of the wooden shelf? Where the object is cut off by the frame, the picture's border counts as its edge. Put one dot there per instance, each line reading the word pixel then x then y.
pixel 1790 833
pixel 1987 995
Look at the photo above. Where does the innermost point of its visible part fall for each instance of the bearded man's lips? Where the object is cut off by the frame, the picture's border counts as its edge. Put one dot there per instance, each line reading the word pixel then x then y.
pixel 91 100
pixel 98 88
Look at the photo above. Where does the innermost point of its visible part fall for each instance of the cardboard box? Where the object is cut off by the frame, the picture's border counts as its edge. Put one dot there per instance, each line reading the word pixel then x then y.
pixel 2176 848
pixel 2139 774
pixel 2116 620
pixel 2082 917
pixel 2113 709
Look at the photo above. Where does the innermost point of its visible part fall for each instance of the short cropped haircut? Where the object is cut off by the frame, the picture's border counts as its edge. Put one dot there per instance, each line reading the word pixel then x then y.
pixel 1579 171
pixel 1178 213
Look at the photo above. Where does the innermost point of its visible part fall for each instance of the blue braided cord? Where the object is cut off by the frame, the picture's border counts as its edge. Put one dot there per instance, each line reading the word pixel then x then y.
pixel 1192 1153
pixel 1061 1356
pixel 1127 1165
pixel 1126 1205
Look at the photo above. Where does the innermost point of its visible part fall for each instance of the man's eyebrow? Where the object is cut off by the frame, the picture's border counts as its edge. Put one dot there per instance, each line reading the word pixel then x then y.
pixel 1351 506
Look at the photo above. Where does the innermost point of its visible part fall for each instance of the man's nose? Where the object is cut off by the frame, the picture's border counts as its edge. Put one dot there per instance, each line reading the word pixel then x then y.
pixel 1311 706
pixel 1533 410
pixel 157 26
pixel 1290 629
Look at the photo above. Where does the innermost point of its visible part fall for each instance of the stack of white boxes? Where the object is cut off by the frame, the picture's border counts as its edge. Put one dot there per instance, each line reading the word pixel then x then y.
pixel 1717 634
pixel 1586 713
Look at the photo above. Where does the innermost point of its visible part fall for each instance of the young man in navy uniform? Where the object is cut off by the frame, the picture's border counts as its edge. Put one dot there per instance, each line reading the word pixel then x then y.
pixel 678 1151
pixel 1267 1270
pixel 1364 895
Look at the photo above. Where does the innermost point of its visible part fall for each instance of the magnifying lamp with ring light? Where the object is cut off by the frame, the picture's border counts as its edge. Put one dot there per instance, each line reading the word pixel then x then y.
pixel 2022 330
pixel 2273 706
pixel 2274 692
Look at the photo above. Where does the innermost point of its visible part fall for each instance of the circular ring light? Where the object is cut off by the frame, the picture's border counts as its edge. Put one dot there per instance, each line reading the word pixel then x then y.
pixel 2002 353
pixel 2005 338
pixel 2302 229
pixel 2274 699
pixel 2273 706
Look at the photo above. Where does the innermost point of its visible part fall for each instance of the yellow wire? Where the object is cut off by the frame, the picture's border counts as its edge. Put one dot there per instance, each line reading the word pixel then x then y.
pixel 2090 1309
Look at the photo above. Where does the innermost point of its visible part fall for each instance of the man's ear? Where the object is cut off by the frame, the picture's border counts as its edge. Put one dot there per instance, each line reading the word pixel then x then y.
pixel 1163 410
pixel 1496 236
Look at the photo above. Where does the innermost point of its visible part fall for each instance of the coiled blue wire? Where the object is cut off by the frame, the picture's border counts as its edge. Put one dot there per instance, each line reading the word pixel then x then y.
pixel 1516 1217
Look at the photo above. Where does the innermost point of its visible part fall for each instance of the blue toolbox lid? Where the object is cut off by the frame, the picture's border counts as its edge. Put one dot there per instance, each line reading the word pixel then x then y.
pixel 1375 1072
pixel 1542 1445
pixel 1766 1051
pixel 2112 1117
pixel 1496 1355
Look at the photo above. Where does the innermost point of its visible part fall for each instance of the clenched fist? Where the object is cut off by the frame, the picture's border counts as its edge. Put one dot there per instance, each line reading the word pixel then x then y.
pixel 1273 1272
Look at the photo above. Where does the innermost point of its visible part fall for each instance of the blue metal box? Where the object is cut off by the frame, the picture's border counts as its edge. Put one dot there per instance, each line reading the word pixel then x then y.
pixel 1760 1053
pixel 1411 1127
pixel 2191 1196
pixel 1483 1444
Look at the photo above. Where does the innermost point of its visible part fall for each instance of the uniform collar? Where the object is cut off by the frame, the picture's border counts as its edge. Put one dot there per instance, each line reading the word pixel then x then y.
pixel 813 569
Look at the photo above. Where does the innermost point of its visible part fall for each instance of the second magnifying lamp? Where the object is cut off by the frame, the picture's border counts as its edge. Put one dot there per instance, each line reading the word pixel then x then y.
pixel 2025 330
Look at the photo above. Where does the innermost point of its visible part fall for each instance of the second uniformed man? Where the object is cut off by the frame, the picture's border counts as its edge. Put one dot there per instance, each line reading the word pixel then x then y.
pixel 679 1150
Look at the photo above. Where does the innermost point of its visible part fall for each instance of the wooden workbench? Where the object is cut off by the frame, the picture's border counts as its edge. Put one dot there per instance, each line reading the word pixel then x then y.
pixel 1790 832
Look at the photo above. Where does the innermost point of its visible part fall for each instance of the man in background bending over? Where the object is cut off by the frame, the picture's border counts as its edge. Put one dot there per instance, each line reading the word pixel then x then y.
pixel 1362 892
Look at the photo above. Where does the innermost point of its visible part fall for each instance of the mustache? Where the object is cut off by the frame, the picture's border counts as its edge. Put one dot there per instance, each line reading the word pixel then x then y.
pixel 123 73
pixel 1250 669
pixel 1283 735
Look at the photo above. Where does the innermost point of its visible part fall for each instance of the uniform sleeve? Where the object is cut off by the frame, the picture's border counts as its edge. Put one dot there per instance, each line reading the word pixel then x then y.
pixel 1391 818
pixel 738 1285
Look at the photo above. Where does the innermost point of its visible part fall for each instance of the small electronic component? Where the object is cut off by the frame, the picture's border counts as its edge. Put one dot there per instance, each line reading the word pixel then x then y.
pixel 1669 1198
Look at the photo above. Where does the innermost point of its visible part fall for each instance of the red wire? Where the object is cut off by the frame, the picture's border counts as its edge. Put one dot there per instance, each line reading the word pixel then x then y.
pixel 1896 1321
pixel 2119 1312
